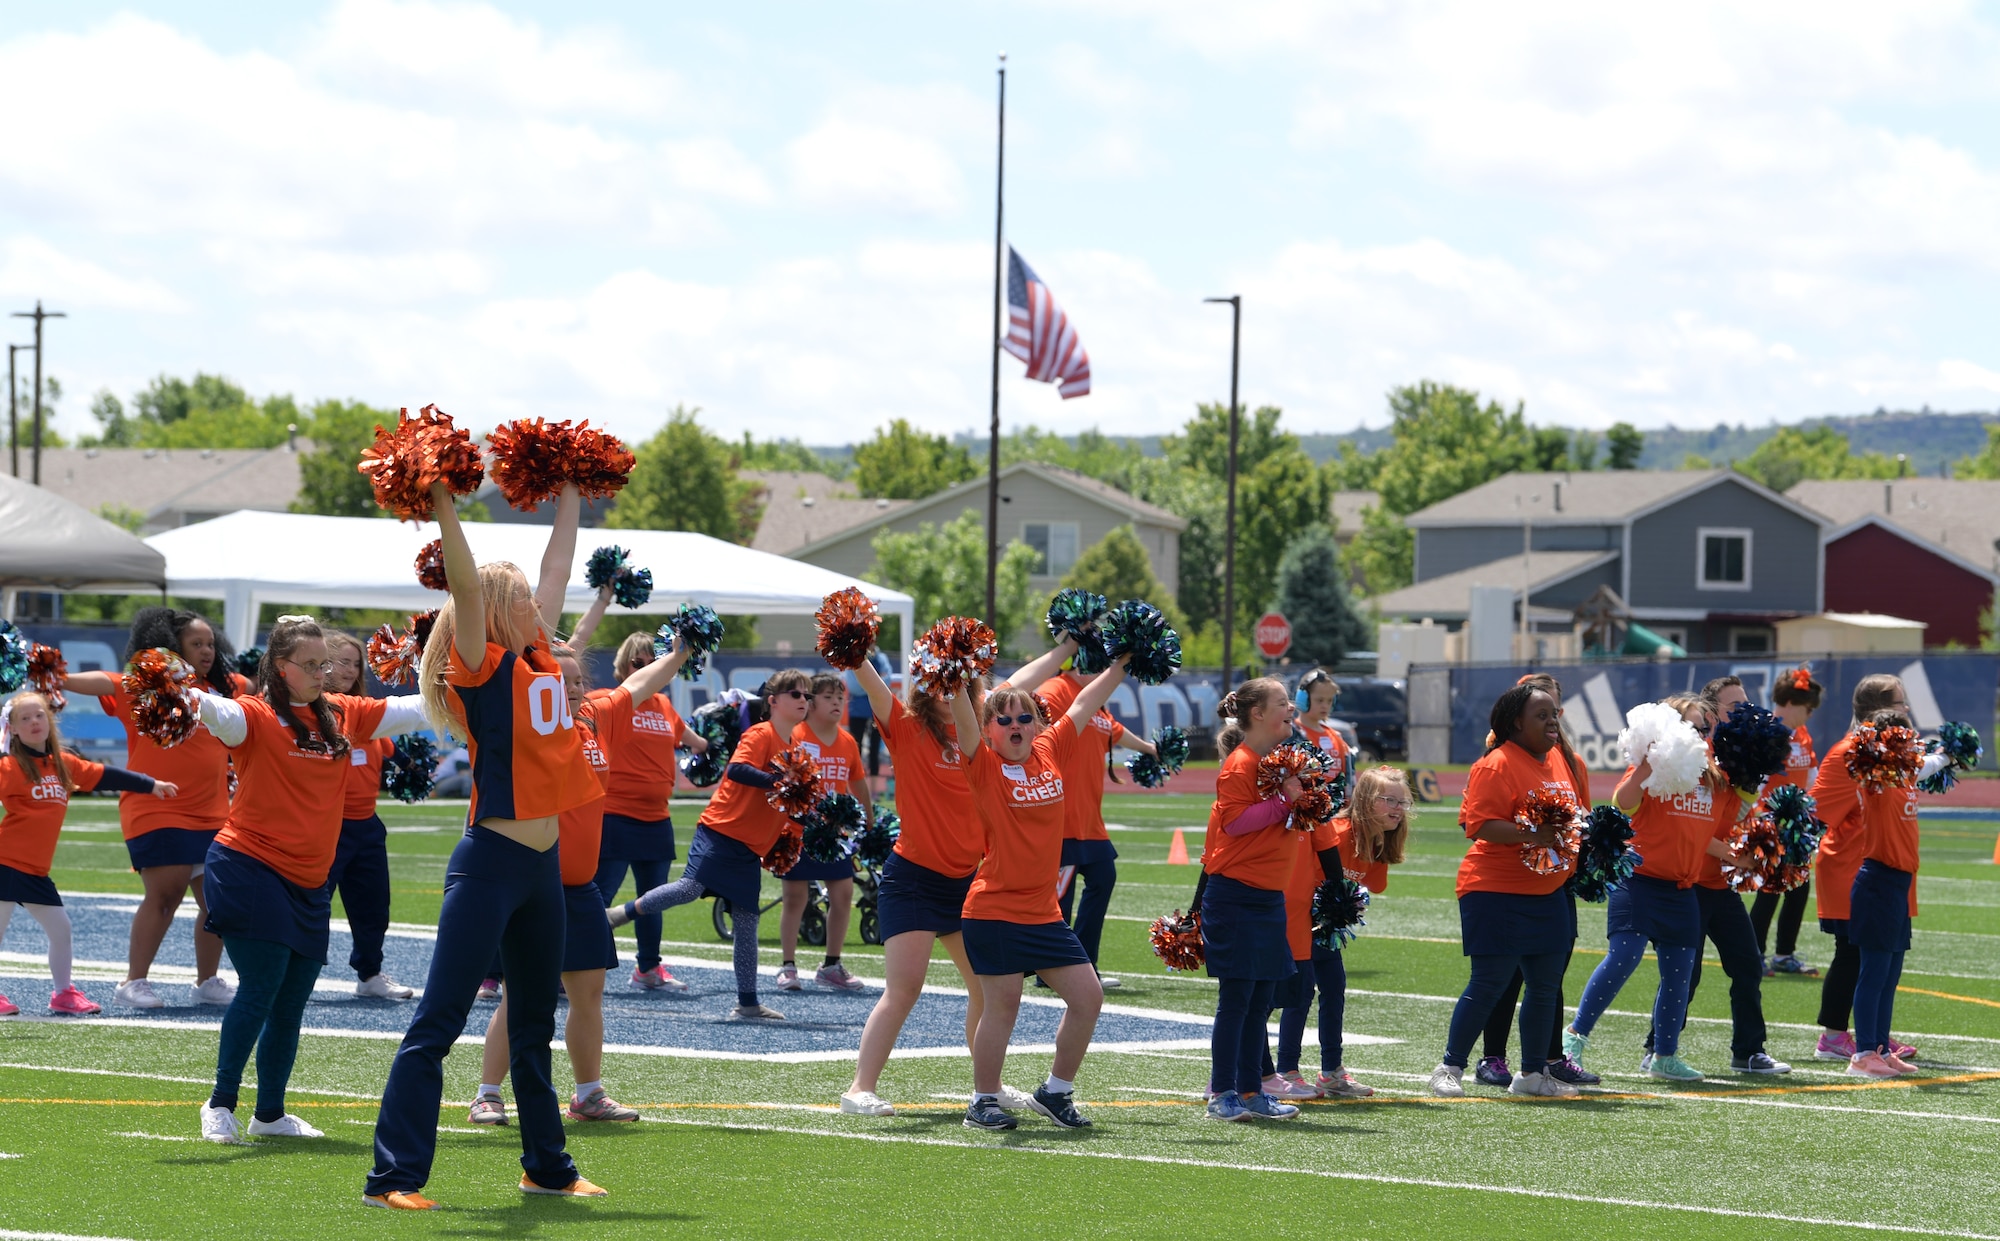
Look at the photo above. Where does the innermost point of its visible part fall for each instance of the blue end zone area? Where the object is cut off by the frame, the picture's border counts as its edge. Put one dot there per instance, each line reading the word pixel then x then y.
pixel 821 1024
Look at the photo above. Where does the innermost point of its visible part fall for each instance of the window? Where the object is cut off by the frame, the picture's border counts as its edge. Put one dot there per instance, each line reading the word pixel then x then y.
pixel 1723 558
pixel 1054 542
pixel 1750 641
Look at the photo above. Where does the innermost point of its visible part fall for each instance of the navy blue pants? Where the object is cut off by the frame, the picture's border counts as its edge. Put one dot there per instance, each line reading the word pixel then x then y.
pixel 1097 879
pixel 1541 981
pixel 1237 1047
pixel 1329 974
pixel 497 893
pixel 273 984
pixel 361 875
pixel 645 877
pixel 1725 921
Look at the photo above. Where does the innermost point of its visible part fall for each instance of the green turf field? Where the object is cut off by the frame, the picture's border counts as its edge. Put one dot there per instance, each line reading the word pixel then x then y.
pixel 97 1122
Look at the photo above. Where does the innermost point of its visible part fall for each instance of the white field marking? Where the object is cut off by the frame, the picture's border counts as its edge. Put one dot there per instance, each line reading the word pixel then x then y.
pixel 154 1137
pixel 440 1128
pixel 405 831
pixel 115 971
pixel 9 1234
pixel 1377 1178
pixel 11 1155
pixel 1177 1094
pixel 192 1081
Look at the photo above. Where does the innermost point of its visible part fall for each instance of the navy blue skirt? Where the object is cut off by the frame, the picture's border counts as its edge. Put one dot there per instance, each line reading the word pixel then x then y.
pixel 1243 932
pixel 825 872
pixel 20 887
pixel 725 867
pixel 249 900
pixel 910 897
pixel 1087 852
pixel 1878 910
pixel 587 942
pixel 1508 924
pixel 170 846
pixel 1669 916
pixel 996 947
pixel 637 840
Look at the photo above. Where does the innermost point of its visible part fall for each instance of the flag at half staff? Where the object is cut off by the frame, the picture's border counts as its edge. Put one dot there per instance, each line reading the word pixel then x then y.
pixel 1039 333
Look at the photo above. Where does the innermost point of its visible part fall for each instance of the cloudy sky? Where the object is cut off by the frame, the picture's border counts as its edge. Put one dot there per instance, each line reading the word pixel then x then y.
pixel 783 213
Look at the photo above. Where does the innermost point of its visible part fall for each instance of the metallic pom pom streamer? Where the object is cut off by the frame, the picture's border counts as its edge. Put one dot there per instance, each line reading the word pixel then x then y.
pixel 1177 941
pixel 410 771
pixel 393 655
pixel 877 841
pixel 1336 912
pixel 14 648
pixel 402 463
pixel 529 461
pixel 951 654
pixel 1140 630
pixel 829 828
pixel 632 587
pixel 1554 821
pixel 430 566
pixel 596 461
pixel 250 662
pixel 1795 816
pixel 848 622
pixel 1073 613
pixel 1149 772
pixel 799 787
pixel 1751 745
pixel 1285 762
pixel 1960 744
pixel 1884 758
pixel 699 630
pixel 1758 840
pixel 1606 857
pixel 162 686
pixel 784 853
pixel 46 670
pixel 603 566
pixel 721 725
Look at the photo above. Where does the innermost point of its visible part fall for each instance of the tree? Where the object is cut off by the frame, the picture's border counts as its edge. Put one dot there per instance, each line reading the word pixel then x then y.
pixel 1623 444
pixel 1118 567
pixel 207 412
pixel 944 569
pixel 1986 462
pixel 1796 453
pixel 784 455
pixel 328 481
pixel 903 463
pixel 1384 553
pixel 1312 593
pixel 1091 453
pixel 685 479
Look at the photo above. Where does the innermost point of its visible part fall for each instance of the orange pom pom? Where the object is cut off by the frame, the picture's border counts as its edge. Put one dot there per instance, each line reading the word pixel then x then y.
pixel 784 854
pixel 953 653
pixel 46 670
pixel 430 566
pixel 1177 941
pixel 402 464
pixel 1555 821
pixel 848 623
pixel 162 685
pixel 596 461
pixel 798 788
pixel 528 461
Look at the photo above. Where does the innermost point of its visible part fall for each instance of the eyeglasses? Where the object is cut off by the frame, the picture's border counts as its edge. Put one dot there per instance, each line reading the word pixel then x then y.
pixel 1387 800
pixel 1008 721
pixel 323 667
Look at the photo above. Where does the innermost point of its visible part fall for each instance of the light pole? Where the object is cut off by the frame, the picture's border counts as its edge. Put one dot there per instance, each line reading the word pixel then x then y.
pixel 14 410
pixel 993 435
pixel 38 314
pixel 1235 301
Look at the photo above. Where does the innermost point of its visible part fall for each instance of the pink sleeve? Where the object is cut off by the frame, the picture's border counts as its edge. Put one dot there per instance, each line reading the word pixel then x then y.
pixel 1258 817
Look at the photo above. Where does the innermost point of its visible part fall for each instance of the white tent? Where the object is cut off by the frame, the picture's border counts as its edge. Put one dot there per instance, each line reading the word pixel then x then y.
pixel 248 559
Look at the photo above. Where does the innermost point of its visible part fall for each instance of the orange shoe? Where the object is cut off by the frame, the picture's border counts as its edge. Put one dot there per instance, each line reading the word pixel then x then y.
pixel 578 1188
pixel 1870 1064
pixel 1903 1067
pixel 400 1200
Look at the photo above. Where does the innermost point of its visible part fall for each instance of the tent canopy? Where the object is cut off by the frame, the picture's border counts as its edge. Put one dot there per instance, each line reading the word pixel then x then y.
pixel 48 543
pixel 248 559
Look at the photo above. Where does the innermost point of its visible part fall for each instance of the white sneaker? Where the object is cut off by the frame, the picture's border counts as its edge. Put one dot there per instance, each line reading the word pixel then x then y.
pixel 383 987
pixel 218 1124
pixel 1448 1082
pixel 1012 1100
pixel 215 990
pixel 1541 1086
pixel 864 1103
pixel 286 1126
pixel 836 978
pixel 1109 983
pixel 137 993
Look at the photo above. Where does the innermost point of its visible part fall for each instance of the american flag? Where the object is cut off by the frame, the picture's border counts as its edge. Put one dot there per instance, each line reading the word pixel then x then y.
pixel 1039 333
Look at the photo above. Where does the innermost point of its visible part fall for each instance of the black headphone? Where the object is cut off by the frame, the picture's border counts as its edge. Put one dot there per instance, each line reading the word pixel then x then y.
pixel 1302 699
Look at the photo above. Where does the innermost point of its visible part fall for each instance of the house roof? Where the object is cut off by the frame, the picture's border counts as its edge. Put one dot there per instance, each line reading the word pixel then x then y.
pixel 1582 497
pixel 1959 515
pixel 1450 596
pixel 164 481
pixel 801 508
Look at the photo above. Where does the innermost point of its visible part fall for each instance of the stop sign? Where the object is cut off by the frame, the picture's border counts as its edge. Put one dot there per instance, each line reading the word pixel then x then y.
pixel 1274 635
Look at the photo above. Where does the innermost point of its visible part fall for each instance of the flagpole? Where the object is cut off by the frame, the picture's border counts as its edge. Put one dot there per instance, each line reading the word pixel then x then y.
pixel 993 443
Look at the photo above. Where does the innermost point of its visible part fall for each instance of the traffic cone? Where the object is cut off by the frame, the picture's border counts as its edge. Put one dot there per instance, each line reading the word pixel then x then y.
pixel 1177 851
pixel 1996 852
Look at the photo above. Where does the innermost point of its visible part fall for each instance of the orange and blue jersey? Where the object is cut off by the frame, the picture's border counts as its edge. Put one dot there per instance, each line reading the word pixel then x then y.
pixel 527 756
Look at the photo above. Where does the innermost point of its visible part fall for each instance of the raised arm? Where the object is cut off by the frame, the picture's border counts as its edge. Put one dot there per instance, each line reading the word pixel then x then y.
pixel 654 677
pixel 94 684
pixel 559 557
pixel 1631 789
pixel 461 571
pixel 1094 695
pixel 879 695
pixel 969 733
pixel 1042 667
pixel 403 713
pixel 588 622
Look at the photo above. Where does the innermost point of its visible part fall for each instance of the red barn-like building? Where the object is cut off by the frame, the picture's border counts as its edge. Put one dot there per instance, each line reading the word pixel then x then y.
pixel 1922 548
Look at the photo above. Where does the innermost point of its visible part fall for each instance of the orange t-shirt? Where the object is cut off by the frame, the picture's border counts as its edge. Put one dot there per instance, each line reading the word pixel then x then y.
pixel 1671 834
pixel 364 775
pixel 1493 789
pixel 1261 859
pixel 198 765
pixel 1084 776
pixel 527 759
pixel 931 797
pixel 1308 874
pixel 1798 768
pixel 1021 817
pixel 741 811
pixel 602 716
pixel 642 780
pixel 288 800
pixel 1729 809
pixel 35 808
pixel 1331 745
pixel 839 762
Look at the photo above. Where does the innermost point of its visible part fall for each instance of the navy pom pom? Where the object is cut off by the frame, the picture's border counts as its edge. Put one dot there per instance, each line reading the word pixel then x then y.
pixel 1140 630
pixel 829 828
pixel 699 630
pixel 604 565
pixel 1149 772
pixel 250 661
pixel 1336 913
pixel 1957 742
pixel 13 657
pixel 1607 857
pixel 721 725
pixel 878 840
pixel 409 771
pixel 1751 746
pixel 632 588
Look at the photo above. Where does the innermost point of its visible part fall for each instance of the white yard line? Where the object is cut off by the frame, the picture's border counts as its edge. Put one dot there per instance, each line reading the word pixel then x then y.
pixel 164 1077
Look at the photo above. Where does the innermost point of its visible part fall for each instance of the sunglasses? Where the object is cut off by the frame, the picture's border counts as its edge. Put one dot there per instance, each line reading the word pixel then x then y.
pixel 1008 721
pixel 795 693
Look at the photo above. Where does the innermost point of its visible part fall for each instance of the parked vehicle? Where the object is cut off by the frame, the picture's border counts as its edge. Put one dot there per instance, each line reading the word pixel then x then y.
pixel 1378 710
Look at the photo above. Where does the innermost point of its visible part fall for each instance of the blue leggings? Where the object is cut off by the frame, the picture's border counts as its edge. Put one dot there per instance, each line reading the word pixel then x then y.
pixel 361 875
pixel 1541 980
pixel 1874 998
pixel 1669 1003
pixel 1097 879
pixel 1237 1048
pixel 1329 972
pixel 273 984
pixel 497 893
pixel 645 877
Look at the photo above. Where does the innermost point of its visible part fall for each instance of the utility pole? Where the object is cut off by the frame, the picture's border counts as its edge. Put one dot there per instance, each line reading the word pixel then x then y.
pixel 38 314
pixel 14 409
pixel 1235 302
pixel 993 440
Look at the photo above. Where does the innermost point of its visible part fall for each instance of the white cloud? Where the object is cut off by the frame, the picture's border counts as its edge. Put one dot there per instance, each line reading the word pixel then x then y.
pixel 32 267
pixel 854 164
pixel 714 167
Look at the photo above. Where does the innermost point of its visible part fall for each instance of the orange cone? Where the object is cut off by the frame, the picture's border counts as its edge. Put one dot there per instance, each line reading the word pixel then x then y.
pixel 1996 852
pixel 1177 851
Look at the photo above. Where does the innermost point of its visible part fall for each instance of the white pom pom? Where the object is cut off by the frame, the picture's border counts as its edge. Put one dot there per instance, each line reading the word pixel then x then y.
pixel 1656 733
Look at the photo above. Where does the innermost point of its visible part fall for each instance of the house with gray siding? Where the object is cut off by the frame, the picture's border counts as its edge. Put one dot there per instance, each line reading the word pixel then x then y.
pixel 1707 559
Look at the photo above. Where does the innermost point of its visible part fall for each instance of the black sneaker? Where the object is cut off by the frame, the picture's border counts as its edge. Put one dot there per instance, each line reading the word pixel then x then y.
pixel 1493 1071
pixel 1060 1108
pixel 1568 1070
pixel 986 1114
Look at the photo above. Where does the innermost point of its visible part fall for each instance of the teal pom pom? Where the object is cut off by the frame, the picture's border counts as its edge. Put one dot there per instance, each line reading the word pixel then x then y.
pixel 1957 742
pixel 1795 815
pixel 250 662
pixel 14 648
pixel 878 840
pixel 829 828
pixel 721 725
pixel 632 587
pixel 699 629
pixel 604 565
pixel 1149 772
pixel 410 770
pixel 1139 630
pixel 1073 613
pixel 1607 857
pixel 1336 912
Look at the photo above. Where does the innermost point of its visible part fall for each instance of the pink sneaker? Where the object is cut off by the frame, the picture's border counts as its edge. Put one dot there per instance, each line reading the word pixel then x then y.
pixel 1903 1067
pixel 73 1002
pixel 8 1008
pixel 1871 1064
pixel 657 979
pixel 1902 1051
pixel 1835 1047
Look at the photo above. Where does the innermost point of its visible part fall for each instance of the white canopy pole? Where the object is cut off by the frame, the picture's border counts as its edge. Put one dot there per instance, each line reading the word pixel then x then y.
pixel 239 614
